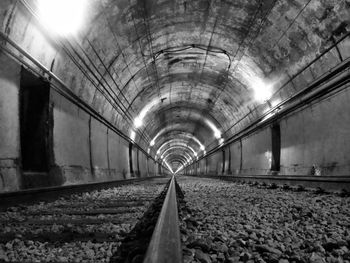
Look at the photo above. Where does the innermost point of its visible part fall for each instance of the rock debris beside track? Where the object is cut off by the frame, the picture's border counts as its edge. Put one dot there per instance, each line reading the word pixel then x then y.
pixel 85 227
pixel 235 222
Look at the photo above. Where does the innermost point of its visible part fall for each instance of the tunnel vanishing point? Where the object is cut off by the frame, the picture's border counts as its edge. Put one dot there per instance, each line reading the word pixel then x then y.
pixel 102 90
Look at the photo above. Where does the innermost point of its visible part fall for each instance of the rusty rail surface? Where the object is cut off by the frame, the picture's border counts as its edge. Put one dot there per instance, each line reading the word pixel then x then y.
pixel 165 245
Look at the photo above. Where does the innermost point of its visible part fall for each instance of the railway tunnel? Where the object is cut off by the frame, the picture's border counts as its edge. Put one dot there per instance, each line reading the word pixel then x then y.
pixel 98 91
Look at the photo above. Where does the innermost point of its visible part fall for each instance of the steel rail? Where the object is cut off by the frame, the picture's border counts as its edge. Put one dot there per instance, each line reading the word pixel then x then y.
pixel 31 196
pixel 165 245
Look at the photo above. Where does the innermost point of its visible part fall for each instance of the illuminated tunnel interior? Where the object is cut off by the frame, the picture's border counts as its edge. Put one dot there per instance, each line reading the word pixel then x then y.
pixel 201 86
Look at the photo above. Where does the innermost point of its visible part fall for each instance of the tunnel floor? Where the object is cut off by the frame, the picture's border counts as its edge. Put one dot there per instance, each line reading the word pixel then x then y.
pixel 235 222
pixel 86 227
pixel 220 221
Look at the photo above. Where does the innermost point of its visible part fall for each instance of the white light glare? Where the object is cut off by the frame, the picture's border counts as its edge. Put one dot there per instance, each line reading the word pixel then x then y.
pixel 221 141
pixel 138 122
pixel 152 143
pixel 62 16
pixel 217 132
pixel 133 135
pixel 262 90
pixel 171 170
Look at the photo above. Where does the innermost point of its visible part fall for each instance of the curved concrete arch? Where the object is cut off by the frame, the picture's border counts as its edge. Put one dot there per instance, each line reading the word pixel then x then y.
pixel 175 142
pixel 182 151
pixel 235 63
pixel 193 155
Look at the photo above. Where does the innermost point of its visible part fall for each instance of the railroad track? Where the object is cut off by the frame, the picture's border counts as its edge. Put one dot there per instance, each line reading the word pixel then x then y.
pixel 82 227
pixel 211 221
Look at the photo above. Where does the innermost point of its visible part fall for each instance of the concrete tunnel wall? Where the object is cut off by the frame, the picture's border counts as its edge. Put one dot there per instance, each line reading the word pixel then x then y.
pixel 314 141
pixel 83 149
pixel 313 138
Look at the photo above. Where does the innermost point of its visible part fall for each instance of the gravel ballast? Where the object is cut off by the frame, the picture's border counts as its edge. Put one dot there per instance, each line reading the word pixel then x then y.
pixel 85 227
pixel 235 222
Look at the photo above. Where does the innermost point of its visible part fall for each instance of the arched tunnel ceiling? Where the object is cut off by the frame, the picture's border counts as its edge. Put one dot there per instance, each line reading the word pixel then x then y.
pixel 173 65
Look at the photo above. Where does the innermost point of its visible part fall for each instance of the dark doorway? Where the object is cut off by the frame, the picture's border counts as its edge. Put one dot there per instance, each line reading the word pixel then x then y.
pixel 223 163
pixel 34 122
pixel 138 173
pixel 276 147
pixel 130 159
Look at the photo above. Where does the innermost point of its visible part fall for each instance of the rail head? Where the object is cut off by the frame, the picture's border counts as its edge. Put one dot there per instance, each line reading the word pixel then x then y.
pixel 165 245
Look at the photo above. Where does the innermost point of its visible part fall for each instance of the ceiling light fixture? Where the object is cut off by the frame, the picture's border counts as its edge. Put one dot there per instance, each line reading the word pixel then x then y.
pixel 64 17
pixel 217 132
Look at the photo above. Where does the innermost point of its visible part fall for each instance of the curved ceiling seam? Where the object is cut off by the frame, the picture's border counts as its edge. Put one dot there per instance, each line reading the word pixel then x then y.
pixel 178 146
pixel 149 86
pixel 205 58
pixel 203 126
pixel 179 154
pixel 166 144
pixel 139 44
pixel 175 146
pixel 185 134
pixel 150 44
pixel 188 157
pixel 173 161
pixel 239 47
pixel 158 112
pixel 175 107
pixel 177 158
pixel 122 54
pixel 184 154
pixel 181 142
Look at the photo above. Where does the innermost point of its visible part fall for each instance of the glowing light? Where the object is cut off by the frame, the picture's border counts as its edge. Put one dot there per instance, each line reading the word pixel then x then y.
pixel 221 141
pixel 153 141
pixel 155 138
pixel 133 135
pixel 170 169
pixel 187 158
pixel 201 146
pixel 138 122
pixel 62 16
pixel 179 169
pixel 252 76
pixel 262 89
pixel 217 132
pixel 275 102
pixel 178 145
